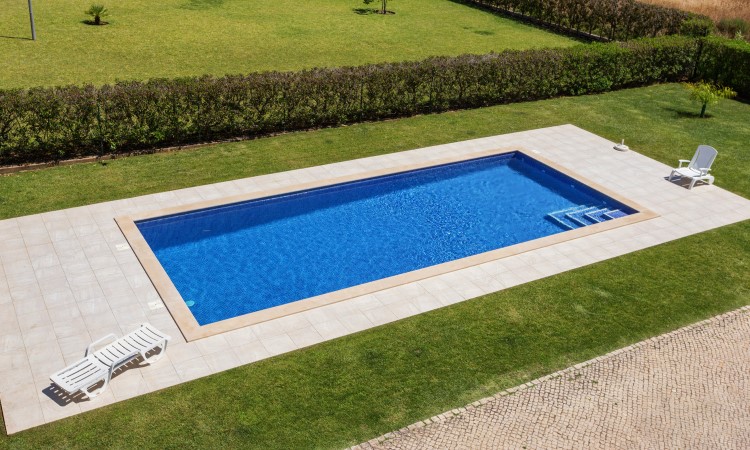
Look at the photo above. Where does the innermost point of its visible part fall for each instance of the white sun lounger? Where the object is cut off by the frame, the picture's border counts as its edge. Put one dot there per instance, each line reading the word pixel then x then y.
pixel 98 366
pixel 698 167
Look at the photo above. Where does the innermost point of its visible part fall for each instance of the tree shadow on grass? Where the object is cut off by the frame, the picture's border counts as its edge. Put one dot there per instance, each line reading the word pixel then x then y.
pixel 682 114
pixel 368 11
pixel 202 4
pixel 365 11
pixel 17 38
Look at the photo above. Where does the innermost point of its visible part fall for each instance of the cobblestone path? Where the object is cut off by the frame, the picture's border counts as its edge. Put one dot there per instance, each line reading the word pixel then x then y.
pixel 685 389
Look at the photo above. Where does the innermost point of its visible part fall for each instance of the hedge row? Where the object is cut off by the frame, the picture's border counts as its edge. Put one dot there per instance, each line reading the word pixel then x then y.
pixel 726 62
pixel 47 124
pixel 611 19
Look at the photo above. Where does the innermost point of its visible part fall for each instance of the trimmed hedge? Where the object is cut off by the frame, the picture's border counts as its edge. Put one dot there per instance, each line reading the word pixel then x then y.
pixel 48 124
pixel 609 19
pixel 726 62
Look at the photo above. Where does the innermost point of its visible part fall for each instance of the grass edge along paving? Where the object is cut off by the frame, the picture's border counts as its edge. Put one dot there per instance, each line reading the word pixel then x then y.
pixel 351 389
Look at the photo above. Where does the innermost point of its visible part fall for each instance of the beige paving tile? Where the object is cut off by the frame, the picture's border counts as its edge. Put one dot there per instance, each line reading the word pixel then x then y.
pixel 251 352
pixel 45 359
pixel 103 320
pixel 13 359
pixel 221 361
pixel 74 347
pixel 86 291
pixel 161 374
pixel 10 379
pixel 130 316
pixel 42 255
pixel 212 344
pixel 39 335
pixel 403 309
pixel 33 320
pixel 52 410
pixel 192 369
pixel 127 384
pixel 239 337
pixel 49 277
pixel 183 352
pixel 450 296
pixel 380 316
pixel 426 302
pixel 12 339
pixel 103 399
pixel 356 321
pixel 305 337
pixel 331 329
pixel 23 416
pixel 278 344
pixel 7 315
pixel 20 292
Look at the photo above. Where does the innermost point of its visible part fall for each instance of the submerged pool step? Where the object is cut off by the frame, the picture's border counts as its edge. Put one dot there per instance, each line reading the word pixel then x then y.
pixel 579 216
pixel 598 215
pixel 615 214
pixel 582 216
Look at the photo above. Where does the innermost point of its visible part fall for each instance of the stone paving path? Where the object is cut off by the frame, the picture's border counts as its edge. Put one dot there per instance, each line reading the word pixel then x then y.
pixel 686 389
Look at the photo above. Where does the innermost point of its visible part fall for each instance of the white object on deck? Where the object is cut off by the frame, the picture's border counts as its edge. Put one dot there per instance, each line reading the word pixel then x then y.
pixel 98 366
pixel 621 147
pixel 698 167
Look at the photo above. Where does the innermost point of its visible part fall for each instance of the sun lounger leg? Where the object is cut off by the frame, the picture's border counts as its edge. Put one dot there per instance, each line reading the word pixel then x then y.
pixel 92 394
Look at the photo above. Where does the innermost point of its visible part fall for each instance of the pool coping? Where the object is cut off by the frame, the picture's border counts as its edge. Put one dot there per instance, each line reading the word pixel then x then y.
pixel 192 330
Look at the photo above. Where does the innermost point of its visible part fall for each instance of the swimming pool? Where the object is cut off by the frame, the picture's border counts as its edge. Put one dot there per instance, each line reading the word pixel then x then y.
pixel 262 254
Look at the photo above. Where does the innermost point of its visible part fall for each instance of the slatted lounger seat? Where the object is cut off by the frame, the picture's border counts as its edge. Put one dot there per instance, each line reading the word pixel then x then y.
pixel 98 366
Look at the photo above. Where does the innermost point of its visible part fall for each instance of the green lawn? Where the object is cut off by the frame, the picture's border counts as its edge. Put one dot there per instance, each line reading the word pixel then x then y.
pixel 173 38
pixel 354 388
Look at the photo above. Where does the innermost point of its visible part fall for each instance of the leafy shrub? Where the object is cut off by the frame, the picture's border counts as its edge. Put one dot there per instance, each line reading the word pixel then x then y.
pixel 44 124
pixel 708 94
pixel 610 19
pixel 97 12
pixel 697 26
pixel 727 63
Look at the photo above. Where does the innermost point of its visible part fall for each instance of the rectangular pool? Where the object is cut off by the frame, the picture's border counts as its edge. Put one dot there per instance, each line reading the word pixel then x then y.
pixel 231 260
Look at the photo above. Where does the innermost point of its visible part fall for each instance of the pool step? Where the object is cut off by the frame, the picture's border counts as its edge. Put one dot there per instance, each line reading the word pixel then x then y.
pixel 583 216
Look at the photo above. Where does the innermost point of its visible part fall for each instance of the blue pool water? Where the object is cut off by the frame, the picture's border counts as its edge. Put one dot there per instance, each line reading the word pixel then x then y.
pixel 240 258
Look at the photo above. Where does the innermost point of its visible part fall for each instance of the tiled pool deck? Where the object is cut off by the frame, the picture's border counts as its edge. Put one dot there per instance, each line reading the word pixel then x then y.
pixel 68 277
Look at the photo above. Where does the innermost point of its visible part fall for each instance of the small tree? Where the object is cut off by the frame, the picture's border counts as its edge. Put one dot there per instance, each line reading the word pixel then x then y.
pixel 708 93
pixel 97 12
pixel 383 4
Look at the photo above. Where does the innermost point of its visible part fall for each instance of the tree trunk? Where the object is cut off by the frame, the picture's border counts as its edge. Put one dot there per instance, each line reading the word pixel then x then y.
pixel 97 20
pixel 703 110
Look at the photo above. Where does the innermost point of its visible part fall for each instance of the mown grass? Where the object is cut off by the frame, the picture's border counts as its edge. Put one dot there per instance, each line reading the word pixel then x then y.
pixel 349 390
pixel 174 38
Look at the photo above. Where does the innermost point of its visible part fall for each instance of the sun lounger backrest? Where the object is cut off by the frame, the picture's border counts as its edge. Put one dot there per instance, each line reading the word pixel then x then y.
pixel 703 157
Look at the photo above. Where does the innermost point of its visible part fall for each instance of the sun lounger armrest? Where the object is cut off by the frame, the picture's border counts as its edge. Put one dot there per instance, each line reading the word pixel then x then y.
pixel 683 161
pixel 91 346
